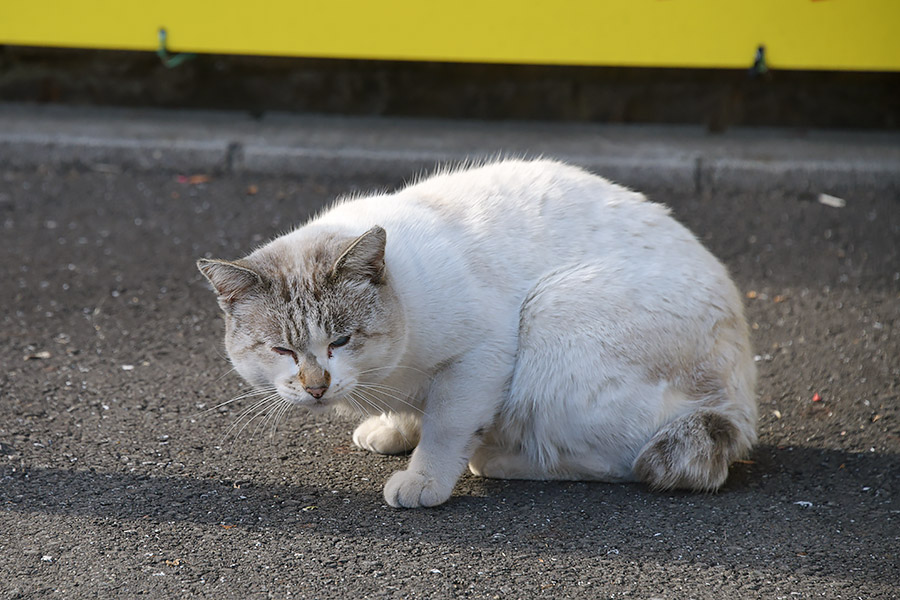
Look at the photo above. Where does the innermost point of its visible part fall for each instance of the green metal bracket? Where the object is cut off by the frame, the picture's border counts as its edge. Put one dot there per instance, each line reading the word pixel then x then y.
pixel 169 60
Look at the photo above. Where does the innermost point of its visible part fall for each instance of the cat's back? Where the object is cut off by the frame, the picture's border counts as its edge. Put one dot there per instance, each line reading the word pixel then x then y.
pixel 544 205
pixel 512 192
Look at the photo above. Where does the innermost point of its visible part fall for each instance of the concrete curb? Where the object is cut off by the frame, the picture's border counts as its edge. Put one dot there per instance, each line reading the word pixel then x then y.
pixel 681 157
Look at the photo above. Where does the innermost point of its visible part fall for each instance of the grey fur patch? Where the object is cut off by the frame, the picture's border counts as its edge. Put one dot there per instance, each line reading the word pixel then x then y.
pixel 230 279
pixel 297 296
pixel 364 258
pixel 692 452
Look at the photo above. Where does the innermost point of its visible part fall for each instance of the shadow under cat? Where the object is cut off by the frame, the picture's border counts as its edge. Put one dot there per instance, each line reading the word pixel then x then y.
pixel 797 498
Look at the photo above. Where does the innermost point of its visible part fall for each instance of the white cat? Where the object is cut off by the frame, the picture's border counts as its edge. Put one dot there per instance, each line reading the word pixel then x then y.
pixel 524 318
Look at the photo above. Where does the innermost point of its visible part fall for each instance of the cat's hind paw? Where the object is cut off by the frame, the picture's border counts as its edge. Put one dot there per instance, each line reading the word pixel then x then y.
pixel 499 465
pixel 692 452
pixel 408 489
pixel 385 434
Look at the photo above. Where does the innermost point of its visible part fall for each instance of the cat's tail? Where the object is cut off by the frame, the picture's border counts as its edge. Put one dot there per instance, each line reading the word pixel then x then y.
pixel 692 452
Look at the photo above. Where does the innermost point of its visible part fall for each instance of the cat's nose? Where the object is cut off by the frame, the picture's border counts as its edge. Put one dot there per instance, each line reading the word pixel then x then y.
pixel 314 379
pixel 316 392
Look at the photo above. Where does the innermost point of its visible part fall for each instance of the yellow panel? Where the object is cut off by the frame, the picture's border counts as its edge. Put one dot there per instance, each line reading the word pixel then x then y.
pixel 798 34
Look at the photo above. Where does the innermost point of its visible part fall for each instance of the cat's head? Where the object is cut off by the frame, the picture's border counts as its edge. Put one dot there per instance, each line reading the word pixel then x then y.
pixel 311 315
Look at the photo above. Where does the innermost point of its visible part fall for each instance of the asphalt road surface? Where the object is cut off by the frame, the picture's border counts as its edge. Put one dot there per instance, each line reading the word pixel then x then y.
pixel 118 478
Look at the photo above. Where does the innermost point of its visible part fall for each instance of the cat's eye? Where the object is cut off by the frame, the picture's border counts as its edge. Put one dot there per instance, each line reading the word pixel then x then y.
pixel 284 351
pixel 341 341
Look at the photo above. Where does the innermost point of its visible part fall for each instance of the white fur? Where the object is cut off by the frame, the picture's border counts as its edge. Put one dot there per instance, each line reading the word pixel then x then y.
pixel 563 317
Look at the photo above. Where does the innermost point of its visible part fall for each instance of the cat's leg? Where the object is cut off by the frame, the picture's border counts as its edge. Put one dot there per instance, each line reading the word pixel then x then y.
pixel 462 402
pixel 500 463
pixel 639 392
pixel 579 405
pixel 692 452
pixel 388 433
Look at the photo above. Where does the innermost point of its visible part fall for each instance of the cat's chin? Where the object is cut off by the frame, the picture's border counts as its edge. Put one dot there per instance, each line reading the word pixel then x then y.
pixel 305 400
pixel 313 405
pixel 318 407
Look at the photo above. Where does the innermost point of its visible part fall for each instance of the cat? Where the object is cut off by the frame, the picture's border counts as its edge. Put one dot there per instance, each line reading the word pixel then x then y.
pixel 524 318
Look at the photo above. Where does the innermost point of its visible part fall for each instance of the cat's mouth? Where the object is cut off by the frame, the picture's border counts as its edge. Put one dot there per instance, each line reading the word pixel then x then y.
pixel 307 400
pixel 302 398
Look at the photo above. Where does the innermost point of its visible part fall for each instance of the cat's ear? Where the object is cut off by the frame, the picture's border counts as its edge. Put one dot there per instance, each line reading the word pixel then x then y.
pixel 230 280
pixel 363 258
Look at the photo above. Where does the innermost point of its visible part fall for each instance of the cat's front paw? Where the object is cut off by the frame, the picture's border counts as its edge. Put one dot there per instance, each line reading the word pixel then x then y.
pixel 408 489
pixel 385 435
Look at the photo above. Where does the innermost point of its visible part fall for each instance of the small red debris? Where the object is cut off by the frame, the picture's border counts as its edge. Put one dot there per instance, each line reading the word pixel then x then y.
pixel 817 397
pixel 193 179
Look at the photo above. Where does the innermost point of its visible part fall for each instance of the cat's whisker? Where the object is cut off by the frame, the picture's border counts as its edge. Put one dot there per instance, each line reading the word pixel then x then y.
pixel 372 384
pixel 249 394
pixel 286 407
pixel 377 403
pixel 357 404
pixel 243 396
pixel 256 406
pixel 390 392
pixel 374 369
pixel 222 351
pixel 384 387
pixel 352 404
pixel 226 373
pixel 263 417
pixel 270 412
pixel 362 400
pixel 270 401
pixel 256 390
pixel 251 408
pixel 240 419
